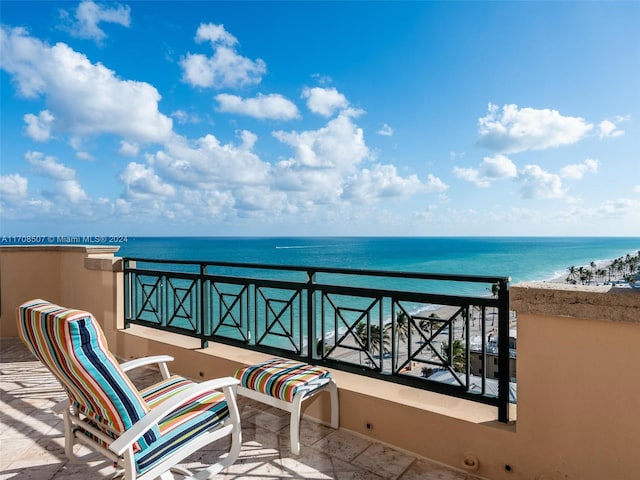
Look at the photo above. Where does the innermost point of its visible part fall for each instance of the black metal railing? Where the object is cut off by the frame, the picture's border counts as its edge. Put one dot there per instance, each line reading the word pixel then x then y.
pixel 403 327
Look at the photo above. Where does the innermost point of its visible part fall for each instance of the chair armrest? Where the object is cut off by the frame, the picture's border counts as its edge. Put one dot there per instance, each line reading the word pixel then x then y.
pixel 152 418
pixel 60 406
pixel 161 360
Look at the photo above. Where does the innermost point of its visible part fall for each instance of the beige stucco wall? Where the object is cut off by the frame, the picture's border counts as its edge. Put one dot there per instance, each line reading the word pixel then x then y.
pixel 84 277
pixel 578 391
pixel 578 384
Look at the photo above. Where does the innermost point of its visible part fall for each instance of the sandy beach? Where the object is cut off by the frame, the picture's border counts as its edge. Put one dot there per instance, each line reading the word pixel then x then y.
pixel 604 272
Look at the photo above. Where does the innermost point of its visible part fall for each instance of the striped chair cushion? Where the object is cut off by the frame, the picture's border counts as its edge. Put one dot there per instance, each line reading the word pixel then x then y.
pixel 281 378
pixel 194 418
pixel 72 345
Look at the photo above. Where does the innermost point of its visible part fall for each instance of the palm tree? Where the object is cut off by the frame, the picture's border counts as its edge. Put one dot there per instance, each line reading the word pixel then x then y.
pixel 573 273
pixel 456 356
pixel 426 324
pixel 588 276
pixel 379 337
pixel 361 334
pixel 402 328
pixel 582 274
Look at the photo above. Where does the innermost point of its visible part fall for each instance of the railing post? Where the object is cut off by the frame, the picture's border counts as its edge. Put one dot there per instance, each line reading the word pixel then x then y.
pixel 128 291
pixel 311 315
pixel 504 375
pixel 204 342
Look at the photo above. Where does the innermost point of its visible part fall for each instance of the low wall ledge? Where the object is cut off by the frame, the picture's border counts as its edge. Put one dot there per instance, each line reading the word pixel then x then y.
pixel 107 263
pixel 89 249
pixel 602 302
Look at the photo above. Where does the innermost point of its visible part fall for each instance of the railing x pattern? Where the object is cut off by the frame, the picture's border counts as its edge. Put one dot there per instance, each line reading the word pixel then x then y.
pixel 403 327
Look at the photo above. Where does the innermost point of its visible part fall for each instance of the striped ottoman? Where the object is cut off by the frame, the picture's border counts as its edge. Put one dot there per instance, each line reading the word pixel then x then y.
pixel 285 384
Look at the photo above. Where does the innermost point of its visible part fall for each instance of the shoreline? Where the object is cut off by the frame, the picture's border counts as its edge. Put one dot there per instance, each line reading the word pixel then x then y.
pixel 613 275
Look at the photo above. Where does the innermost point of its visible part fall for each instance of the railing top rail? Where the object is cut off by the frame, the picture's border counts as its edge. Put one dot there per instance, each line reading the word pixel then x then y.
pixel 333 270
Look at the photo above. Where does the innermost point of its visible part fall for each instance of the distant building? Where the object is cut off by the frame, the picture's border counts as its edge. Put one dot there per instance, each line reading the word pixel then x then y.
pixel 490 367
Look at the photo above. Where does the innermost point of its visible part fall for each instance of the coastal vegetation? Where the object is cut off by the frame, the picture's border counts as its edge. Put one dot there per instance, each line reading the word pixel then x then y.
pixel 376 340
pixel 624 268
pixel 455 356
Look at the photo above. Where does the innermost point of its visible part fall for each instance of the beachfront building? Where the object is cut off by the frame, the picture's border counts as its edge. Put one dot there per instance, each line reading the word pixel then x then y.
pixel 488 363
pixel 564 425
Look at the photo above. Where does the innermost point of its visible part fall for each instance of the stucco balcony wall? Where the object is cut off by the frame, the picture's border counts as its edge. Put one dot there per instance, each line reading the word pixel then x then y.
pixel 577 349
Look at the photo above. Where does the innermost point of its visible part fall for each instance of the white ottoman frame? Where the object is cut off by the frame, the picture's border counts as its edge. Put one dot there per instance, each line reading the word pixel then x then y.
pixel 307 391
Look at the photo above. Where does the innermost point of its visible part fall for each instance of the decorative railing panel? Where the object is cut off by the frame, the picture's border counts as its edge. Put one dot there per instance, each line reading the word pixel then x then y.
pixel 402 333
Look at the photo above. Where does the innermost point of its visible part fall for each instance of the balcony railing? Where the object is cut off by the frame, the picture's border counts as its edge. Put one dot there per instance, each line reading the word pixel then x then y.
pixel 397 326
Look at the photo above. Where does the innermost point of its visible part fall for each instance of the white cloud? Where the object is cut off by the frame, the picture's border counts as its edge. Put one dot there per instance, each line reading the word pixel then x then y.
pixel 515 130
pixel 340 145
pixel 538 183
pixel 183 117
pixel 636 189
pixel 72 191
pixel 84 156
pixel 471 175
pixel 324 101
pixel 322 79
pixel 434 184
pixel 273 106
pixel 577 171
pixel 211 163
pixel 208 203
pixel 13 187
pixel 619 207
pixel 382 181
pixel 67 187
pixel 142 182
pixel 84 98
pixel 39 127
pixel 385 131
pixel 129 149
pixel 89 14
pixel 608 129
pixel 209 32
pixel 498 167
pixel 226 68
pixel 491 169
pixel 49 167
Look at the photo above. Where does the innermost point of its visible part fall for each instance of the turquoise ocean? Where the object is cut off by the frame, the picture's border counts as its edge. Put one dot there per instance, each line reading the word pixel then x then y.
pixel 520 258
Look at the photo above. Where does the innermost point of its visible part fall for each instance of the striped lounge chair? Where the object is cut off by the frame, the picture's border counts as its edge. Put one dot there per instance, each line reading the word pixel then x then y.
pixel 145 433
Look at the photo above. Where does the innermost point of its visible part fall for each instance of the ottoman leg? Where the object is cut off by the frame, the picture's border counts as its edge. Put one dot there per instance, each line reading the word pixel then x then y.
pixel 294 424
pixel 335 406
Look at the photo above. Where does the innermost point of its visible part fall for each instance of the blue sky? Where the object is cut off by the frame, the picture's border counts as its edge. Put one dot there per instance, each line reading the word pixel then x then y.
pixel 320 118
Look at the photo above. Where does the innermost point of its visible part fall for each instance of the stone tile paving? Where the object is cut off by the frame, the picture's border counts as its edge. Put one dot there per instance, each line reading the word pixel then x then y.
pixel 32 441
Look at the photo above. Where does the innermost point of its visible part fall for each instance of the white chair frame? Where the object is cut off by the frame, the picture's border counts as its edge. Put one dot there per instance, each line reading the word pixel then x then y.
pixel 120 451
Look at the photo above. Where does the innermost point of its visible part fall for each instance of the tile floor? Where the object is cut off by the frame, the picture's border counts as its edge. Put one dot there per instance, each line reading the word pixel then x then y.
pixel 32 442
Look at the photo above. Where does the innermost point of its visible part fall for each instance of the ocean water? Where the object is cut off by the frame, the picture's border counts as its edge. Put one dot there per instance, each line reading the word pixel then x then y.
pixel 520 258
